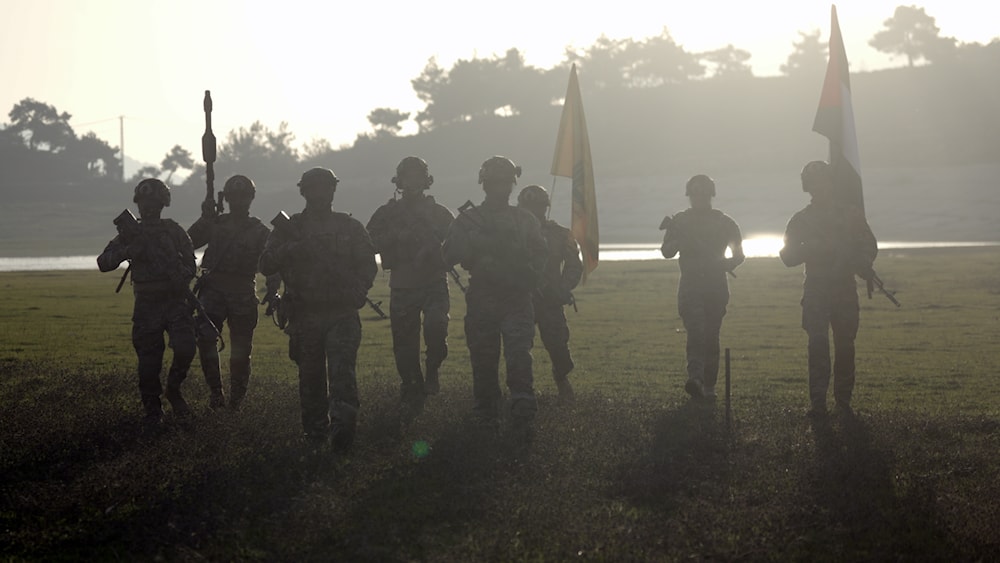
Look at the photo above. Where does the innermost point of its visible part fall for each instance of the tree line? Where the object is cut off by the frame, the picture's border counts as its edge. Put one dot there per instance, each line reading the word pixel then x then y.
pixel 39 145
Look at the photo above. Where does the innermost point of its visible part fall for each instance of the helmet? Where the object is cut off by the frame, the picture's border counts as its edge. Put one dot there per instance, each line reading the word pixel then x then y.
pixel 499 168
pixel 152 188
pixel 700 184
pixel 413 167
pixel 239 185
pixel 318 177
pixel 533 196
pixel 813 172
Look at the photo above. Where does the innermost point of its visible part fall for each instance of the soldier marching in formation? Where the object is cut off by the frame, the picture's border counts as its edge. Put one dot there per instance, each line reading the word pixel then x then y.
pixel 835 243
pixel 407 233
pixel 327 262
pixel 702 235
pixel 522 266
pixel 502 248
pixel 563 270
pixel 162 265
pixel 227 286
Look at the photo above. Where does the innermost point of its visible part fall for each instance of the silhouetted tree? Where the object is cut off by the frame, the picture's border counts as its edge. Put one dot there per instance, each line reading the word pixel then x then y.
pixel 177 158
pixel 913 33
pixel 95 155
pixel 808 57
pixel 41 125
pixel 729 62
pixel 386 121
pixel 427 86
pixel 660 60
pixel 607 64
pixel 477 87
pixel 316 149
pixel 143 173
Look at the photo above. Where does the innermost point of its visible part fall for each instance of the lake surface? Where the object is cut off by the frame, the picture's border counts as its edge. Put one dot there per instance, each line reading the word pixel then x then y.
pixel 755 246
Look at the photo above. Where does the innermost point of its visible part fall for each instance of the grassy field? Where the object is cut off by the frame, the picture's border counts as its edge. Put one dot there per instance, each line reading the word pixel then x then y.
pixel 632 471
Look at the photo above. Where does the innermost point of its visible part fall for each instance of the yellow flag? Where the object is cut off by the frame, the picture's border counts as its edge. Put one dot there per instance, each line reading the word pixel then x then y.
pixel 572 160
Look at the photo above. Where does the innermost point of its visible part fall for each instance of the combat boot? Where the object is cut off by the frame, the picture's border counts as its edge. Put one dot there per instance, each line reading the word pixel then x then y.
pixel 694 388
pixel 153 409
pixel 432 384
pixel 343 425
pixel 239 382
pixel 217 399
pixel 566 393
pixel 177 402
pixel 521 428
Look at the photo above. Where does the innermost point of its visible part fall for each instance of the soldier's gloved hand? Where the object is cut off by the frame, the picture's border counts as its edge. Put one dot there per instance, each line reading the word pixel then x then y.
pixel 208 209
pixel 566 297
pixel 126 235
pixel 272 300
pixel 866 272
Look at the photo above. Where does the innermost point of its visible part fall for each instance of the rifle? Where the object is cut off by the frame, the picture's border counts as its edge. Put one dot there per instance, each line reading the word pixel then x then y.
pixel 377 307
pixel 873 281
pixel 282 222
pixel 208 155
pixel 128 225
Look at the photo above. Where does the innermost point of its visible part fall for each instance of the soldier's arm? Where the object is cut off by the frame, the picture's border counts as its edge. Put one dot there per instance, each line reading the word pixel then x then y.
pixel 364 257
pixel 443 218
pixel 456 247
pixel 736 246
pixel 868 245
pixel 271 257
pixel 201 231
pixel 185 250
pixel 113 255
pixel 793 252
pixel 572 265
pixel 671 242
pixel 379 229
pixel 538 250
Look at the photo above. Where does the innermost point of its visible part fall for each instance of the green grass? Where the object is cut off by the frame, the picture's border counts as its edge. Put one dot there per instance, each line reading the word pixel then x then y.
pixel 632 471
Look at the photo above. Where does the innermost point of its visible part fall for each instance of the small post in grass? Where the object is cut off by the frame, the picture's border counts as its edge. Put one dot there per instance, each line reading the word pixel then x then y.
pixel 728 393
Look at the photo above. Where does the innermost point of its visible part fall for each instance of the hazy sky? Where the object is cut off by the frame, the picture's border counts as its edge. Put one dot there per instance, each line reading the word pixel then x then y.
pixel 322 66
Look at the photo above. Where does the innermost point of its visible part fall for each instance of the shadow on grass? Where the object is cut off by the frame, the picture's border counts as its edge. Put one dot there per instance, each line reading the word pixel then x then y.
pixel 80 478
pixel 861 509
pixel 419 506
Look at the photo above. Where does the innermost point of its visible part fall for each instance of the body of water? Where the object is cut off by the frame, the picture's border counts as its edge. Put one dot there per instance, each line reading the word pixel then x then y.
pixel 756 246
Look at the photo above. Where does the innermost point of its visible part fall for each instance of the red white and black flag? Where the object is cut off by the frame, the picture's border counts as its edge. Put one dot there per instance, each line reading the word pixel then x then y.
pixel 835 121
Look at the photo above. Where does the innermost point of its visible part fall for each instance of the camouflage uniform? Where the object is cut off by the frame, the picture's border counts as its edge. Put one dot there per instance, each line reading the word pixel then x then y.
pixel 162 266
pixel 327 263
pixel 503 250
pixel 563 270
pixel 702 237
pixel 834 242
pixel 408 234
pixel 227 290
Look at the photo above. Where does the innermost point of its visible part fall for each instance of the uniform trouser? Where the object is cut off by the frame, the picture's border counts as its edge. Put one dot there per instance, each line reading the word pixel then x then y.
pixel 491 320
pixel 155 313
pixel 405 308
pixel 240 309
pixel 823 310
pixel 702 313
pixel 325 345
pixel 554 331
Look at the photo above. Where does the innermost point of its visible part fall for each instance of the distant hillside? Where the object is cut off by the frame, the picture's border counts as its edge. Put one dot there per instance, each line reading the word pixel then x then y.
pixel 929 138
